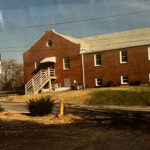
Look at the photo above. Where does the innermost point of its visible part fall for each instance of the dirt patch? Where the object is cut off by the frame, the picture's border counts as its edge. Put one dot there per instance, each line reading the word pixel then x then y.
pixel 48 119
pixel 92 135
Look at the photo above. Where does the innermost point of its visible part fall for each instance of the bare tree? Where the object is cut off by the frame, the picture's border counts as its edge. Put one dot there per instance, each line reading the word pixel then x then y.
pixel 12 76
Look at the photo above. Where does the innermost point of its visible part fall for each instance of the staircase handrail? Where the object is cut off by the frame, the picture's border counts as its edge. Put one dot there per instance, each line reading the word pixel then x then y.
pixel 38 79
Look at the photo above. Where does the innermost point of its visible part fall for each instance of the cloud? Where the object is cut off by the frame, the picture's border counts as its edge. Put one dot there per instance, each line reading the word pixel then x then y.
pixel 2 26
pixel 92 1
pixel 1 18
pixel 137 4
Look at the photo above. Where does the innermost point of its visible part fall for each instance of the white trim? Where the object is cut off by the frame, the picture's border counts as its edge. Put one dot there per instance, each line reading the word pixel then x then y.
pixel 48 59
pixel 35 65
pixel 122 80
pixel 64 63
pixel 47 43
pixel 96 81
pixel 122 62
pixel 148 52
pixel 95 59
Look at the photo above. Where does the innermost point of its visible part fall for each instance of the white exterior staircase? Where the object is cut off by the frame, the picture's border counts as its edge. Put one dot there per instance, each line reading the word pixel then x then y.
pixel 39 80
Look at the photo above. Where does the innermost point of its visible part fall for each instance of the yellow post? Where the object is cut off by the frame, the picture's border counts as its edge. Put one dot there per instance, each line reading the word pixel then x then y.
pixel 61 108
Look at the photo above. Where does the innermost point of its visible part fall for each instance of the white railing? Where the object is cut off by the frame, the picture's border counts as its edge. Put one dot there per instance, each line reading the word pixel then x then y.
pixel 38 81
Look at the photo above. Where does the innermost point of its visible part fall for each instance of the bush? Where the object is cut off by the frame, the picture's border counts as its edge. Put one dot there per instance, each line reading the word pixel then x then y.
pixel 1 109
pixel 41 106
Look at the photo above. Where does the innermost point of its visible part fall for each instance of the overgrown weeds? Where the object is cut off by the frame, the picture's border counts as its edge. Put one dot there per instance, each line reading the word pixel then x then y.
pixel 40 106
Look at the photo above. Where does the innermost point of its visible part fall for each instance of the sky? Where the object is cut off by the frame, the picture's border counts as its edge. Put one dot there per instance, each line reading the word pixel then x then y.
pixel 22 22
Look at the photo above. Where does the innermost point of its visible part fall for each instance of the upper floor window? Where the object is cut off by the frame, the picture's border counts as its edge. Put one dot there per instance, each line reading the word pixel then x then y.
pixel 49 43
pixel 124 79
pixel 123 56
pixel 97 59
pixel 36 65
pixel 98 81
pixel 149 53
pixel 66 63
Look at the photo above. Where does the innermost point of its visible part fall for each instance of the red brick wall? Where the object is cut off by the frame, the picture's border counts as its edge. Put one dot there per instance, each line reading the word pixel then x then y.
pixel 137 68
pixel 60 48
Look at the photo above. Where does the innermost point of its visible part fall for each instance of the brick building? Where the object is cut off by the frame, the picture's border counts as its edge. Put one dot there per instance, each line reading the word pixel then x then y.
pixel 56 61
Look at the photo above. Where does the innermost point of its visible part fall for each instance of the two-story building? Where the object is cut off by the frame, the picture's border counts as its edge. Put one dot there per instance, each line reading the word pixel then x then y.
pixel 56 61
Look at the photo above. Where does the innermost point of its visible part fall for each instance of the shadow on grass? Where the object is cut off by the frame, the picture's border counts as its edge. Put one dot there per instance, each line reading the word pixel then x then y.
pixel 115 118
pixel 97 130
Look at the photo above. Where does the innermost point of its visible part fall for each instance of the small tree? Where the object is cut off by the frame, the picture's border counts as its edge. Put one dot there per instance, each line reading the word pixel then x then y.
pixel 12 75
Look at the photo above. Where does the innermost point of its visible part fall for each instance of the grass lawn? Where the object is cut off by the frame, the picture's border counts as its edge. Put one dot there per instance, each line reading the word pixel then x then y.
pixel 126 95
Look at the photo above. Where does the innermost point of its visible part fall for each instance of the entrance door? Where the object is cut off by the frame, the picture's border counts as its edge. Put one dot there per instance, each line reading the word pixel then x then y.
pixel 67 82
pixel 47 65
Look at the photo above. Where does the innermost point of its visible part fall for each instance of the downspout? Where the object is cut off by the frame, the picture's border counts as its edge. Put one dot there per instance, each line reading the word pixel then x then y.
pixel 83 75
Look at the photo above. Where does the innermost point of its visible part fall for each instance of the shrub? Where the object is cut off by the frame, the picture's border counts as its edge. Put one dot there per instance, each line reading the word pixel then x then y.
pixel 41 106
pixel 1 109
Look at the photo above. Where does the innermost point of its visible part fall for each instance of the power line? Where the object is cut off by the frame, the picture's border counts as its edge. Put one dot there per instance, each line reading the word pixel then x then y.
pixel 68 22
pixel 1 51
pixel 82 39
pixel 90 19
pixel 11 51
pixel 90 45
pixel 12 47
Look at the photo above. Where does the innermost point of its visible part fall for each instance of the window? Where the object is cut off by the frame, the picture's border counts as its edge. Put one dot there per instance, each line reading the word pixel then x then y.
pixel 67 82
pixel 123 56
pixel 49 43
pixel 148 53
pixel 124 79
pixel 66 63
pixel 36 65
pixel 97 59
pixel 98 81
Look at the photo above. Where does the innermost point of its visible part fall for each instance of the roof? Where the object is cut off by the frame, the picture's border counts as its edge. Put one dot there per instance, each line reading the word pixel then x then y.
pixel 83 45
pixel 117 40
pixel 111 41
pixel 48 59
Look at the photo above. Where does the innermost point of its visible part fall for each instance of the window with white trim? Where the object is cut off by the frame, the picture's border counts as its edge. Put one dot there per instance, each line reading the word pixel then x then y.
pixel 36 65
pixel 98 81
pixel 124 79
pixel 149 53
pixel 123 56
pixel 97 59
pixel 66 63
pixel 49 43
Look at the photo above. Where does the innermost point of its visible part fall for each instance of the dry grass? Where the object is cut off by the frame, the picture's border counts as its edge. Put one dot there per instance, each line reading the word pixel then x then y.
pixel 68 97
pixel 76 97
pixel 49 119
